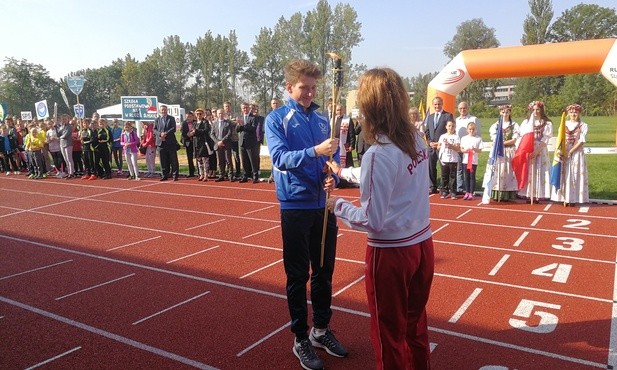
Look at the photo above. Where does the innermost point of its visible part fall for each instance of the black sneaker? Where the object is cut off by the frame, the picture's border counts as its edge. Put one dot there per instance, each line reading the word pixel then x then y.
pixel 306 353
pixel 328 342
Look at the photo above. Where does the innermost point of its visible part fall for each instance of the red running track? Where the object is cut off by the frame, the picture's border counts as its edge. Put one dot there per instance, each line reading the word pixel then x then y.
pixel 123 274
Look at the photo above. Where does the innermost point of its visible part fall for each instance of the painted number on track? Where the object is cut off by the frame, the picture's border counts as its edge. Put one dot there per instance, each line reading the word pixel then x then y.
pixel 569 244
pixel 527 309
pixel 558 271
pixel 577 224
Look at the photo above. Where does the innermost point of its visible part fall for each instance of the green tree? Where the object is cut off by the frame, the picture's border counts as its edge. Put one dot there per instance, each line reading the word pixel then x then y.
pixel 584 22
pixel 266 68
pixel 536 29
pixel 22 84
pixel 175 66
pixel 473 34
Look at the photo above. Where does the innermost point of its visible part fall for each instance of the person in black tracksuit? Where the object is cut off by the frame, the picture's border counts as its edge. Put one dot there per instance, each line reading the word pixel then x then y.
pixel 104 137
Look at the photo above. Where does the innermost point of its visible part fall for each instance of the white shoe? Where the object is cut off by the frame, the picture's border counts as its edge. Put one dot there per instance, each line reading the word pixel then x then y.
pixel 8 173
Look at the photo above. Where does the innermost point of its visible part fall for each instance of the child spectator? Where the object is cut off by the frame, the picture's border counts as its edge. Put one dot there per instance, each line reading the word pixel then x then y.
pixel 471 145
pixel 449 146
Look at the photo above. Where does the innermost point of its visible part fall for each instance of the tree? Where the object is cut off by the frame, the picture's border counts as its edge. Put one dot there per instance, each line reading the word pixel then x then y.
pixel 175 65
pixel 536 26
pixel 265 74
pixel 22 84
pixel 473 34
pixel 584 22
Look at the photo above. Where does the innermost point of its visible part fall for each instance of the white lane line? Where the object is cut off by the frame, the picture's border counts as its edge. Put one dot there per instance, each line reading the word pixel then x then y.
pixel 193 254
pixel 520 239
pixel 257 210
pixel 548 206
pixel 461 310
pixel 583 210
pixel 441 228
pixel 261 269
pixel 53 358
pixel 612 353
pixel 134 243
pixel 108 335
pixel 94 287
pixel 261 232
pixel 499 264
pixel 170 308
pixel 239 354
pixel 36 269
pixel 518 348
pixel 206 224
pixel 602 300
pixel 348 286
pixel 463 214
pixel 535 222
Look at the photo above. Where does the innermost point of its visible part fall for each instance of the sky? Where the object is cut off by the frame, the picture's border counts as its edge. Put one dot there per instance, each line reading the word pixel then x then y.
pixel 409 36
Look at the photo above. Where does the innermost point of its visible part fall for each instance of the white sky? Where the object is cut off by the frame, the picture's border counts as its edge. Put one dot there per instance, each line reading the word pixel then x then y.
pixel 67 35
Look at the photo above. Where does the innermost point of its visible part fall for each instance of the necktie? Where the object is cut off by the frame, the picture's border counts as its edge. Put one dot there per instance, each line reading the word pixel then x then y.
pixel 436 120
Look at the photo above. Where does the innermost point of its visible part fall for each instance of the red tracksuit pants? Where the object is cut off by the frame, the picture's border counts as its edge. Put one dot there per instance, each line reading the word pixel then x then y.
pixel 398 283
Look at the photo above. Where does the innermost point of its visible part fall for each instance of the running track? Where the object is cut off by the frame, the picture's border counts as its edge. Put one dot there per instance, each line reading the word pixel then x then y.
pixel 123 274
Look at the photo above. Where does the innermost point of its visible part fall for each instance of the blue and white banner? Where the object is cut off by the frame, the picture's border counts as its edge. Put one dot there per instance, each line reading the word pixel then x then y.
pixel 79 110
pixel 41 109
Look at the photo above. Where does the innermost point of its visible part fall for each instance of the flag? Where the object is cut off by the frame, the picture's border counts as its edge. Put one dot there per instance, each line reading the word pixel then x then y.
pixel 560 152
pixel 421 109
pixel 496 152
pixel 520 161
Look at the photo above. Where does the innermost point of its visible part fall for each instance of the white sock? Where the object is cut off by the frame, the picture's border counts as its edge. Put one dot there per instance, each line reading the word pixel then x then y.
pixel 319 332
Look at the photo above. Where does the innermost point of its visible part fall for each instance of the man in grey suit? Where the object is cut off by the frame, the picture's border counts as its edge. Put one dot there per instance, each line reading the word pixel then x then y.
pixel 436 126
pixel 221 135
pixel 65 134
pixel 165 134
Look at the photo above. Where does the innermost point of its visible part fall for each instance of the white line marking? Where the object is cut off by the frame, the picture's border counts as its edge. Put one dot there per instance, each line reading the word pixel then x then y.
pixel 520 239
pixel 518 348
pixel 241 353
pixel 36 269
pixel 463 214
pixel 261 232
pixel 441 228
pixel 108 335
pixel 612 351
pixel 548 206
pixel 261 269
pixel 170 308
pixel 95 286
pixel 583 210
pixel 432 346
pixel 257 210
pixel 134 243
pixel 499 264
pixel 459 244
pixel 603 300
pixel 193 254
pixel 206 224
pixel 535 222
pixel 53 358
pixel 461 310
pixel 348 286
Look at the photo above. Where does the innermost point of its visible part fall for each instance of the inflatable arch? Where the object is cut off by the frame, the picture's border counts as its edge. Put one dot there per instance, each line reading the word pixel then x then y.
pixel 576 57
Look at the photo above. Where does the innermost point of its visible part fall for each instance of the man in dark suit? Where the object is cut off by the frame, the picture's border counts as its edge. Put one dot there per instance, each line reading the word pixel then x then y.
pixel 348 132
pixel 362 145
pixel 248 143
pixel 188 131
pixel 165 134
pixel 436 126
pixel 221 135
pixel 261 133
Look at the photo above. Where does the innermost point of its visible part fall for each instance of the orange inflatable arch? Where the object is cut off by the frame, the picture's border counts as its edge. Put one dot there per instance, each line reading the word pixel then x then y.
pixel 577 57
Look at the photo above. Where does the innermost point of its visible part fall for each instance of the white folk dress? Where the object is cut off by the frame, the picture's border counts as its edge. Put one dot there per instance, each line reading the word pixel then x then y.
pixel 539 167
pixel 574 180
pixel 505 186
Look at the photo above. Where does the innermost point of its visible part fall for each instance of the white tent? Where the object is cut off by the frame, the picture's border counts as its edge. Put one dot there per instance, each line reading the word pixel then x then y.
pixel 113 111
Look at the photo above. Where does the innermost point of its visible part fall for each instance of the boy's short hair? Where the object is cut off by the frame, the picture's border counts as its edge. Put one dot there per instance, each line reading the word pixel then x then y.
pixel 300 67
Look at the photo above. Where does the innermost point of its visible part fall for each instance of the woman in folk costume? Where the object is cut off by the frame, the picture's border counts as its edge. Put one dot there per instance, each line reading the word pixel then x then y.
pixel 505 186
pixel 538 184
pixel 574 184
